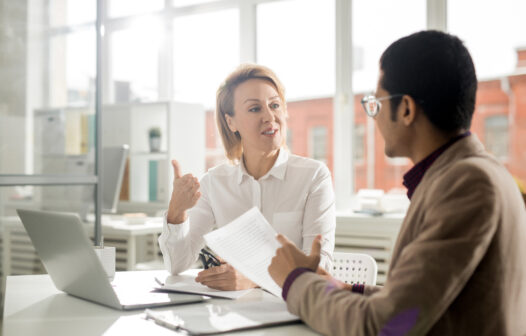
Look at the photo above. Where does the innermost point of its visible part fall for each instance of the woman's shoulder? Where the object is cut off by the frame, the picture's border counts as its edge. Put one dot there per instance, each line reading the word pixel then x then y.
pixel 222 169
pixel 301 162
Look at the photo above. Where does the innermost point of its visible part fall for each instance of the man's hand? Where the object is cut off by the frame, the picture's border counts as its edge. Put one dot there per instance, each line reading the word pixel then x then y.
pixel 289 257
pixel 224 277
pixel 184 195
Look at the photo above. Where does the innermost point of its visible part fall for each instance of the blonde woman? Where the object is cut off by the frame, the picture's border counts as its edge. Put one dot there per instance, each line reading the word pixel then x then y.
pixel 294 194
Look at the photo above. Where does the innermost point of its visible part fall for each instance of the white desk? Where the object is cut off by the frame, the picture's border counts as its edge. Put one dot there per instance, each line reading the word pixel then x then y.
pixel 33 306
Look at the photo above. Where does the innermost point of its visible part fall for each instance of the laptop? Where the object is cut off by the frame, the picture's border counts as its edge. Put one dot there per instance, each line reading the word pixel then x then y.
pixel 67 253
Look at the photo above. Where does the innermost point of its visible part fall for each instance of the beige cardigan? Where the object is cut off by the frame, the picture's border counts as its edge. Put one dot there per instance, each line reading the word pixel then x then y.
pixel 458 266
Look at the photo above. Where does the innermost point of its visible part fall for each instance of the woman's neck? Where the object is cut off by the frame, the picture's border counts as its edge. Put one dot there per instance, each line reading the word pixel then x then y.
pixel 258 164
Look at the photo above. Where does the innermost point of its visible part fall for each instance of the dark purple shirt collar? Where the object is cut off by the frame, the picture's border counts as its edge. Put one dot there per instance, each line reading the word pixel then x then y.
pixel 413 177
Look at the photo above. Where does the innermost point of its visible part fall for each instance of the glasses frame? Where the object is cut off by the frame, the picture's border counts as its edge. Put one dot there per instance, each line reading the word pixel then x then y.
pixel 371 98
pixel 208 259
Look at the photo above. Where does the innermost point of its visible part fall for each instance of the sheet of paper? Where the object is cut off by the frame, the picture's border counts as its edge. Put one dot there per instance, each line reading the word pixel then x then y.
pixel 185 283
pixel 248 243
pixel 213 318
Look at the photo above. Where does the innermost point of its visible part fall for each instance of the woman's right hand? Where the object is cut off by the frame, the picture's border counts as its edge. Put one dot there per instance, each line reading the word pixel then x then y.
pixel 184 195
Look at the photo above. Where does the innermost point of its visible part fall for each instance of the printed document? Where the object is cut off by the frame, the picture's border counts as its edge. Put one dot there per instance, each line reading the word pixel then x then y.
pixel 248 243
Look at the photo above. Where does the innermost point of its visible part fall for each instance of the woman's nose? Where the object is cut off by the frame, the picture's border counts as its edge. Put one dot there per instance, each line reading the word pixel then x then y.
pixel 268 114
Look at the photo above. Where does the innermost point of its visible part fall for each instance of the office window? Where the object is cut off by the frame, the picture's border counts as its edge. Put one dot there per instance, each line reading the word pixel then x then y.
pixel 318 143
pixel 299 48
pixel 359 143
pixel 204 56
pixel 72 69
pixel 71 12
pixel 119 8
pixel 492 34
pixel 497 43
pixel 290 140
pixel 296 39
pixel 134 64
pixel 496 136
pixel 183 3
pixel 376 24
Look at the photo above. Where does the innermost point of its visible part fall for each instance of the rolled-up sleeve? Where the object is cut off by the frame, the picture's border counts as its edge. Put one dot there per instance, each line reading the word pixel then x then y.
pixel 180 243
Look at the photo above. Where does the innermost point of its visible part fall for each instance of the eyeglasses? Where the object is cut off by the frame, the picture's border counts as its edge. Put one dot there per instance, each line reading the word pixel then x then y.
pixel 372 105
pixel 208 259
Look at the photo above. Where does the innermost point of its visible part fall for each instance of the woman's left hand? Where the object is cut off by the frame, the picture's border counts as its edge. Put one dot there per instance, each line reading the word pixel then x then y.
pixel 224 277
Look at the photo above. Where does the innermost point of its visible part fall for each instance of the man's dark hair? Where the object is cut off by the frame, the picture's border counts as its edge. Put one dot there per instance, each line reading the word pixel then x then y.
pixel 437 71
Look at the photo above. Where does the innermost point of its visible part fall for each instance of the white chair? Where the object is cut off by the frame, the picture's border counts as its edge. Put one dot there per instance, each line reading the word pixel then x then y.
pixel 354 268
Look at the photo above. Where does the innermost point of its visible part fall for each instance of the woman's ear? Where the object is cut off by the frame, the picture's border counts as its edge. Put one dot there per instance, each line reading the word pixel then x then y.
pixel 409 107
pixel 231 123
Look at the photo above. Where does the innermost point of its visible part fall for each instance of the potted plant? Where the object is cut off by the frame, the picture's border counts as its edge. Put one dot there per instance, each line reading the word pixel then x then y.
pixel 155 139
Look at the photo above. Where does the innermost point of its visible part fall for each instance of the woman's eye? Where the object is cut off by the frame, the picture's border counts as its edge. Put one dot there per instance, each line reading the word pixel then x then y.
pixel 274 105
pixel 254 109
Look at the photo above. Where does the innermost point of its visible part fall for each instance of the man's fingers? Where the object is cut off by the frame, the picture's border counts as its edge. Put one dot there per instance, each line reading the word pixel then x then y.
pixel 177 169
pixel 283 240
pixel 316 246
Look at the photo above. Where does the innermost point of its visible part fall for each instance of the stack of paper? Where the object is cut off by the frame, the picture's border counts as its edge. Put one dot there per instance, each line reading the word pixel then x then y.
pixel 248 243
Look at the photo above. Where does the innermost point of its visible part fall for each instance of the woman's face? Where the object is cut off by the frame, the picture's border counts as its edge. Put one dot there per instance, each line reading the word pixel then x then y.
pixel 259 116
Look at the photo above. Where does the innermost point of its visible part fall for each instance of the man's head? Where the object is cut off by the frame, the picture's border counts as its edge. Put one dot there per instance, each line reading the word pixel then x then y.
pixel 431 75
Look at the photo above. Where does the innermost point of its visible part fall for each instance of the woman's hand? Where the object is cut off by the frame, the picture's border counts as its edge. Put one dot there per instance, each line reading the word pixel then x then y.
pixel 224 277
pixel 184 195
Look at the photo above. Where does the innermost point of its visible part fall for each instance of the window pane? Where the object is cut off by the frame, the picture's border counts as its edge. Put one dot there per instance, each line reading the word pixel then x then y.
pixel 131 7
pixel 135 62
pixel 490 42
pixel 499 53
pixel 182 3
pixel 70 12
pixel 301 53
pixel 496 136
pixel 370 39
pixel 72 69
pixel 203 57
pixel 318 143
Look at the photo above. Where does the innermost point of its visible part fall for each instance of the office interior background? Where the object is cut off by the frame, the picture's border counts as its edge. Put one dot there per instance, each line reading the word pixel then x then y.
pixel 82 75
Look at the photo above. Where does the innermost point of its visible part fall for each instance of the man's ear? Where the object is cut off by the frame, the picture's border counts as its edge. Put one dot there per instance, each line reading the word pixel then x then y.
pixel 409 110
pixel 231 123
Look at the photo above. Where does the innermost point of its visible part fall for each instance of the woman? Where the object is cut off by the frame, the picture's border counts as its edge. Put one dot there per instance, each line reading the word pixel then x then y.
pixel 294 194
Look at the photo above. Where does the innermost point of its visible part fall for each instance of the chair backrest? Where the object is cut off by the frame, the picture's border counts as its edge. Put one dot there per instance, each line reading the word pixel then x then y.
pixel 354 268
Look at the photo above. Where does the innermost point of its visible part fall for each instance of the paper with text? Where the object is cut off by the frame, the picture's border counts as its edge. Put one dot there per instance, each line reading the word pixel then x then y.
pixel 248 243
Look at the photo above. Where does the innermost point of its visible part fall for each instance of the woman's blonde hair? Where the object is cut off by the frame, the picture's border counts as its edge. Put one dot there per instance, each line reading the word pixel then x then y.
pixel 225 103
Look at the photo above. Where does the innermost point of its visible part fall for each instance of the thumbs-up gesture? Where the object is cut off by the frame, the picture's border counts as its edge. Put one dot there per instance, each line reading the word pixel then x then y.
pixel 184 195
pixel 288 257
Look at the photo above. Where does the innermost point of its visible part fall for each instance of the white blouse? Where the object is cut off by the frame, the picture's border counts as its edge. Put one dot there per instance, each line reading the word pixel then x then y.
pixel 295 196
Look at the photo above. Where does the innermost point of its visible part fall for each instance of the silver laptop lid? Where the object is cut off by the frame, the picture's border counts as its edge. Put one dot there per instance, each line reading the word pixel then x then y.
pixel 67 253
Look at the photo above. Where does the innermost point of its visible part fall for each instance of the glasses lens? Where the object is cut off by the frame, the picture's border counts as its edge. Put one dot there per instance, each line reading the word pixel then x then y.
pixel 370 104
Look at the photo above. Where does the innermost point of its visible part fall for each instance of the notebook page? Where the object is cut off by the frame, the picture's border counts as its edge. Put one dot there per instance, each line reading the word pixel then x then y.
pixel 248 243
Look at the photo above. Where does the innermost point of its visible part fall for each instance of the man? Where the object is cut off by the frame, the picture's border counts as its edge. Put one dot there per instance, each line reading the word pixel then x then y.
pixel 459 264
